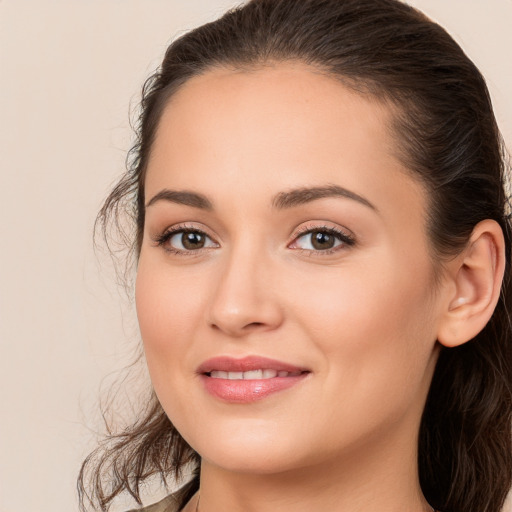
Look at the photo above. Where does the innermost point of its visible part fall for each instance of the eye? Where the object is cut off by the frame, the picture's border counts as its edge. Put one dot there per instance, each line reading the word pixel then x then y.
pixel 322 239
pixel 184 240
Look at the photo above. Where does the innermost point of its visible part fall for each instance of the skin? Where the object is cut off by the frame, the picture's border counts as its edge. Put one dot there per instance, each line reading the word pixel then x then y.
pixel 364 319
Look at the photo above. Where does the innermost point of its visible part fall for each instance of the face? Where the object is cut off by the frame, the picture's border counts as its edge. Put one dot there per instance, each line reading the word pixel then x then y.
pixel 284 240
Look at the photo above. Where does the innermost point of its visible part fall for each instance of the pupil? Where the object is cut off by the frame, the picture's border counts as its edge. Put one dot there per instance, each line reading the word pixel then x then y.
pixel 322 240
pixel 192 240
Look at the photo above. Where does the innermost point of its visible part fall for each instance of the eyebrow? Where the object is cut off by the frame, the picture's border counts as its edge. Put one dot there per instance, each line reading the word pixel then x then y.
pixel 283 200
pixel 299 196
pixel 182 197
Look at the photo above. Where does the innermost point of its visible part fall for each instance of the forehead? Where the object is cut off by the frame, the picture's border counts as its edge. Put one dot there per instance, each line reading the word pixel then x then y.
pixel 291 100
pixel 283 126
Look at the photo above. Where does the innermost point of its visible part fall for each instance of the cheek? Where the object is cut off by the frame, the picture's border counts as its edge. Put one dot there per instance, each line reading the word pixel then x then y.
pixel 378 294
pixel 373 325
pixel 168 309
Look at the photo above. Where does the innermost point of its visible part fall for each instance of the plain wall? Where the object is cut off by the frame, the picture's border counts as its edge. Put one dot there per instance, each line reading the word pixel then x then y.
pixel 69 71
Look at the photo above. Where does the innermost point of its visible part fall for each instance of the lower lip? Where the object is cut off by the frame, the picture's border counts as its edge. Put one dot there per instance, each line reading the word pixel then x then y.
pixel 246 391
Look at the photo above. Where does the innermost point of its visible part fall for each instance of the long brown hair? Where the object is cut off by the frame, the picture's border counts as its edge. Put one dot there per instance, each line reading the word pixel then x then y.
pixel 447 135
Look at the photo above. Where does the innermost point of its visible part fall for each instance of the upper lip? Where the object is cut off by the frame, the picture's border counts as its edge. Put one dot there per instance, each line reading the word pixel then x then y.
pixel 245 364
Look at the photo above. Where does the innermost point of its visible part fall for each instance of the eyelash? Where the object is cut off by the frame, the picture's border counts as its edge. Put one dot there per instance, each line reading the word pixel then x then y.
pixel 162 239
pixel 346 239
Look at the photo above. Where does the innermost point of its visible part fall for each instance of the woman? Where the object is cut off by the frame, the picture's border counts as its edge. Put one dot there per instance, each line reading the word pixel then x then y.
pixel 323 246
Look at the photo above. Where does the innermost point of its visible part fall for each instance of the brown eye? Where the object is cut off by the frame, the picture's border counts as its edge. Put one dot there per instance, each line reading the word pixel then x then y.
pixel 192 240
pixel 185 240
pixel 321 240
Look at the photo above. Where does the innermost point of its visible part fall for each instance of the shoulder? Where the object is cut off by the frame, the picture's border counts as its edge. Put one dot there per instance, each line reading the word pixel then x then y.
pixel 168 504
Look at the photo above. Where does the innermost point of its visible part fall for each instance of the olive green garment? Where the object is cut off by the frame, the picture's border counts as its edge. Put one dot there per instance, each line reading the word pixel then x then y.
pixel 168 504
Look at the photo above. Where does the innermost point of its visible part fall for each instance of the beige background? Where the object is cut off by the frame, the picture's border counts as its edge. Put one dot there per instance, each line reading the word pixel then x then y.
pixel 68 72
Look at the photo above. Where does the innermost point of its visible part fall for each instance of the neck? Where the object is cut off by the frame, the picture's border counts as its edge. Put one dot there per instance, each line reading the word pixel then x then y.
pixel 379 476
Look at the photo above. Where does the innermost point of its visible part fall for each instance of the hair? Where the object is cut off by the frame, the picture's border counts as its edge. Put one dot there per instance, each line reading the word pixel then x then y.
pixel 447 136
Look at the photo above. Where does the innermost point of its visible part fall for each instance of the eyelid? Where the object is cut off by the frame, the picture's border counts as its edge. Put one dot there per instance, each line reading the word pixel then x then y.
pixel 160 239
pixel 344 235
pixel 323 226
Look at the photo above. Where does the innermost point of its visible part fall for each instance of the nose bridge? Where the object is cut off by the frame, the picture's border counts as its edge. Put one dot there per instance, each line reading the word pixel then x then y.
pixel 244 298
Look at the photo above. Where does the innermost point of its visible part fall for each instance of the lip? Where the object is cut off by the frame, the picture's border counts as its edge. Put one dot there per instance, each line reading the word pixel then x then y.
pixel 246 364
pixel 252 390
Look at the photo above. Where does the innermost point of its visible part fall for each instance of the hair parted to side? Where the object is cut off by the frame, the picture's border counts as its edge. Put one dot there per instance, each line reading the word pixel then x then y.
pixel 446 134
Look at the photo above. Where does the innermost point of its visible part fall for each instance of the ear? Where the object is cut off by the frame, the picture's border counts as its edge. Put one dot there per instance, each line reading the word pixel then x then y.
pixel 476 274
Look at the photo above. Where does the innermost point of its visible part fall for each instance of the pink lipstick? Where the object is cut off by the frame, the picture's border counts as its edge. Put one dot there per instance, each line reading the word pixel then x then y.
pixel 248 379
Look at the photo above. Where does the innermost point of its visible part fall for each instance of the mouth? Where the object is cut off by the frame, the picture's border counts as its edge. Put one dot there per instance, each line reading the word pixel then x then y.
pixel 248 364
pixel 248 379
pixel 259 374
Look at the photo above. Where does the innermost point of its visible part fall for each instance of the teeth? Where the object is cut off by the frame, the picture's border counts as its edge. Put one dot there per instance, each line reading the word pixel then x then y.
pixel 253 374
pixel 219 375
pixel 250 375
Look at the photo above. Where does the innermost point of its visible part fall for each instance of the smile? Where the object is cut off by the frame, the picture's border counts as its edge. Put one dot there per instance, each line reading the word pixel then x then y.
pixel 249 379
pixel 252 374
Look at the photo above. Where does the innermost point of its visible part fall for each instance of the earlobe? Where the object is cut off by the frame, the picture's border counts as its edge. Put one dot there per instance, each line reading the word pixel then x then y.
pixel 477 275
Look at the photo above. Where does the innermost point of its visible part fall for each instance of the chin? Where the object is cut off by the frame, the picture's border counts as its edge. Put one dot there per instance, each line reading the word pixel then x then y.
pixel 249 450
pixel 252 461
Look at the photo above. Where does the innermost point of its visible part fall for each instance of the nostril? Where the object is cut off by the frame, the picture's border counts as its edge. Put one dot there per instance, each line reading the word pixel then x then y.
pixel 253 325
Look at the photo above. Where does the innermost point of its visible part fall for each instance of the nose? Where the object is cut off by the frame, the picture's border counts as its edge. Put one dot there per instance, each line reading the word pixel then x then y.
pixel 246 297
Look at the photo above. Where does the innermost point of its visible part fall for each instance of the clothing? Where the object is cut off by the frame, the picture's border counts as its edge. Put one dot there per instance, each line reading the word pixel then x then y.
pixel 168 504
